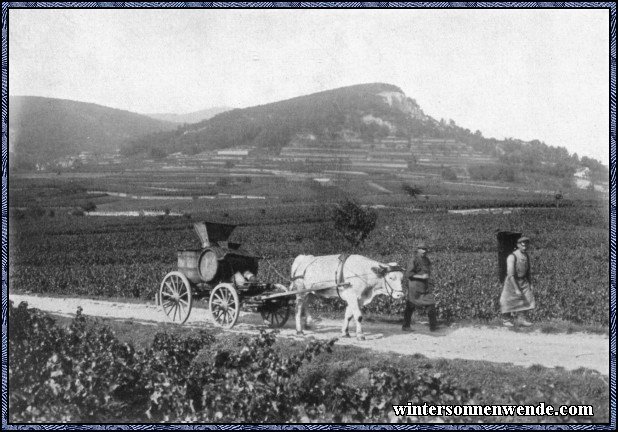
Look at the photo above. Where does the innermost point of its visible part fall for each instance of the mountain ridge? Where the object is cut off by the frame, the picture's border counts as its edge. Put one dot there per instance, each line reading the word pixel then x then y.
pixel 41 128
pixel 364 113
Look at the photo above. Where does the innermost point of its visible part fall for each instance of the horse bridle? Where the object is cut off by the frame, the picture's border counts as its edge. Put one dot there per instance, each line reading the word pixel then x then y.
pixel 387 285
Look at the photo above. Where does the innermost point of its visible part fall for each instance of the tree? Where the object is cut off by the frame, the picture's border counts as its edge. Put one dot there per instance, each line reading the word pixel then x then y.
pixel 89 206
pixel 354 222
pixel 157 153
pixel 412 161
pixel 448 173
pixel 558 197
pixel 411 190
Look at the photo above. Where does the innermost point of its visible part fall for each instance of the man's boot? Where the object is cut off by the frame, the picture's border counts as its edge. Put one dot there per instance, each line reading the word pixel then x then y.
pixel 433 319
pixel 407 317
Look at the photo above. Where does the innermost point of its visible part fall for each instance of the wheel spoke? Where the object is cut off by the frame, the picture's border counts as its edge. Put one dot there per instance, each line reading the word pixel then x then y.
pixel 175 297
pixel 224 306
pixel 275 313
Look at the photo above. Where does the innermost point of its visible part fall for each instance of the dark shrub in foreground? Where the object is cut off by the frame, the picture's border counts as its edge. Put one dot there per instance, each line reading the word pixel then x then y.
pixel 83 373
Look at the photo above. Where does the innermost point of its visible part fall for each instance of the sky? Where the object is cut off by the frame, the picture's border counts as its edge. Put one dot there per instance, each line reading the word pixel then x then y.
pixel 510 73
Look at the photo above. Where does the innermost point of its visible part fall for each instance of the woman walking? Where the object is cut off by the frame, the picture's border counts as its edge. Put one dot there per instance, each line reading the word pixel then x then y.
pixel 517 292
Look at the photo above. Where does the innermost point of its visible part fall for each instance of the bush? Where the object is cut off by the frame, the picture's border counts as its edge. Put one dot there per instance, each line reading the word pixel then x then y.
pixel 492 172
pixel 17 214
pixel 412 190
pixel 84 373
pixel 354 222
pixel 89 206
pixel 223 181
pixel 36 212
pixel 385 386
pixel 448 173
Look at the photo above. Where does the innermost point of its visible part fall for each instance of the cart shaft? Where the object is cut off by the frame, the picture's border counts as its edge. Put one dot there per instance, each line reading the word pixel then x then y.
pixel 308 290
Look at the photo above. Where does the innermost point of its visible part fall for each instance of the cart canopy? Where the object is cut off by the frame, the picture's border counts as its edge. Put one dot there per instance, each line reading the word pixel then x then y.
pixel 214 236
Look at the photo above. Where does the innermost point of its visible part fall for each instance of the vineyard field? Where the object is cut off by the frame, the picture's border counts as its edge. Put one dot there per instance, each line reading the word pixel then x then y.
pixel 54 252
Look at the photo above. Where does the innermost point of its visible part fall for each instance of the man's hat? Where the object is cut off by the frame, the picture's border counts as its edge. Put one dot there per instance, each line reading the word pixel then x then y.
pixel 523 239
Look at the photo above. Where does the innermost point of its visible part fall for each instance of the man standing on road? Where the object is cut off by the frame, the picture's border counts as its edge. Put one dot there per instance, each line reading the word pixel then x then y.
pixel 517 295
pixel 418 293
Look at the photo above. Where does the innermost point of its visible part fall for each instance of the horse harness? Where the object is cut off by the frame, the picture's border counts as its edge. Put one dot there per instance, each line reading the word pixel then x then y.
pixel 339 279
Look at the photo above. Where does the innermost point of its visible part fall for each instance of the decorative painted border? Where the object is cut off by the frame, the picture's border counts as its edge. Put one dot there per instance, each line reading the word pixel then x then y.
pixel 612 101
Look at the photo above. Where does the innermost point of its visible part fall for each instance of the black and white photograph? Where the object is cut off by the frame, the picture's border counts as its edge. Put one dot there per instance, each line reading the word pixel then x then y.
pixel 298 214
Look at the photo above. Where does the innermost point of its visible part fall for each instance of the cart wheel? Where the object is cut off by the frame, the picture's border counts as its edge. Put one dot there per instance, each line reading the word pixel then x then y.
pixel 175 297
pixel 224 305
pixel 276 312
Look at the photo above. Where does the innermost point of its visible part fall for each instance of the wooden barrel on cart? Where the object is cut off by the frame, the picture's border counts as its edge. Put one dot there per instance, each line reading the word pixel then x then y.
pixel 208 265
pixel 188 264
pixel 198 265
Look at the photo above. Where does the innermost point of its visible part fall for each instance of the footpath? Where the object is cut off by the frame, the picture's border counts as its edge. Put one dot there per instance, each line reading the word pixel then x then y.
pixel 500 345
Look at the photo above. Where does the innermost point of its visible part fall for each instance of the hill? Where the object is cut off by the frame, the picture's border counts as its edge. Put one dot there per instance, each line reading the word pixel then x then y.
pixel 365 113
pixel 367 110
pixel 43 129
pixel 192 117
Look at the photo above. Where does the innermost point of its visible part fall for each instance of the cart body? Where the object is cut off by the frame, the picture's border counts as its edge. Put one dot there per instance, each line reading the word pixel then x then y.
pixel 225 273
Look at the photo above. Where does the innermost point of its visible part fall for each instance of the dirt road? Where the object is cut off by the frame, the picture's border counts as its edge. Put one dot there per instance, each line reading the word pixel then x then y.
pixel 501 345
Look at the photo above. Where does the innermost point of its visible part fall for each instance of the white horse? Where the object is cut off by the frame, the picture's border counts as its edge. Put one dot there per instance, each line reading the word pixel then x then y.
pixel 355 279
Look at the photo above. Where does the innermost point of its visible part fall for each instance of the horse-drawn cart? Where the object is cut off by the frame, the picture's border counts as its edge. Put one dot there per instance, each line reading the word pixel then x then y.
pixel 225 274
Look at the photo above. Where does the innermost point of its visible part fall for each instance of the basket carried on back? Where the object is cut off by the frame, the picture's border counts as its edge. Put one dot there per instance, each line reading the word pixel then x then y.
pixel 507 243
